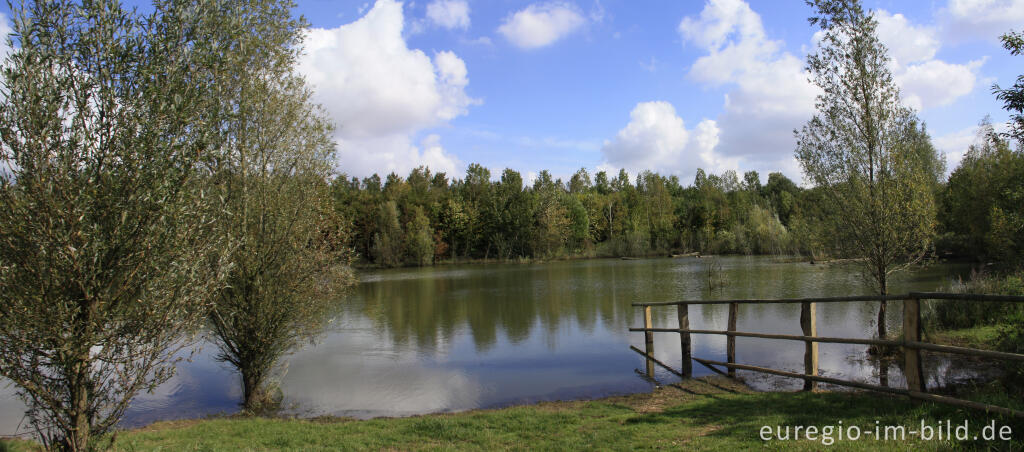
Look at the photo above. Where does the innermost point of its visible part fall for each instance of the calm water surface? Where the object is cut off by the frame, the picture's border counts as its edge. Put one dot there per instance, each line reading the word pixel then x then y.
pixel 422 340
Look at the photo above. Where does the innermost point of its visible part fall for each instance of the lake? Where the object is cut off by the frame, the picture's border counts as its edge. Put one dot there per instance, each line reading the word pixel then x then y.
pixel 449 338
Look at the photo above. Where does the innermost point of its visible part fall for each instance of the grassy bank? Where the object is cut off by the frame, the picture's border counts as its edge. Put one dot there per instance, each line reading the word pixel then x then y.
pixel 703 414
pixel 985 337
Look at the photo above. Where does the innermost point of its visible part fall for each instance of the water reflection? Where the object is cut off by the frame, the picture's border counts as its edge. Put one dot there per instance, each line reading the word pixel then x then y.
pixel 421 340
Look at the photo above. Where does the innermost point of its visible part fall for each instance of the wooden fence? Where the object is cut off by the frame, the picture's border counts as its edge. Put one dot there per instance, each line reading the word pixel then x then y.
pixel 911 343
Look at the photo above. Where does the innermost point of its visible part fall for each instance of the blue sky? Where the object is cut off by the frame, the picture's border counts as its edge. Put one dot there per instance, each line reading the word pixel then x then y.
pixel 668 86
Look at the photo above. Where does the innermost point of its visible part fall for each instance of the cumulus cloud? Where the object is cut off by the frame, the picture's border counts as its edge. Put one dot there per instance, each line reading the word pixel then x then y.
pixel 657 139
pixel 954 145
pixel 769 94
pixel 985 19
pixel 726 23
pixel 925 82
pixel 449 14
pixel 936 83
pixel 539 25
pixel 907 43
pixel 380 93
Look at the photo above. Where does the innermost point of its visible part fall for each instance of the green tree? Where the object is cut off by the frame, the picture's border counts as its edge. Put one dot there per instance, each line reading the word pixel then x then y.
pixel 107 260
pixel 864 149
pixel 752 182
pixel 601 183
pixel 420 238
pixel 981 200
pixel 580 181
pixel 782 195
pixel 579 222
pixel 552 227
pixel 513 215
pixel 288 256
pixel 388 241
pixel 455 222
pixel 657 207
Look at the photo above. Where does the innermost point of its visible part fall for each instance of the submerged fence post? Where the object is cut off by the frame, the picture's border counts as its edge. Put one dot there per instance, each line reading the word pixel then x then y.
pixel 683 311
pixel 912 368
pixel 730 351
pixel 809 325
pixel 649 340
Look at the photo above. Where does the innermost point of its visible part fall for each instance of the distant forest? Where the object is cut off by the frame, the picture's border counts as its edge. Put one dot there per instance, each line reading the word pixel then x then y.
pixel 427 217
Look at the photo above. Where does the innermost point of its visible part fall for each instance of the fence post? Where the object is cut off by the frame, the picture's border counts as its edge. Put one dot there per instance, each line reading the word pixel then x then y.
pixel 684 339
pixel 912 368
pixel 809 325
pixel 730 351
pixel 649 340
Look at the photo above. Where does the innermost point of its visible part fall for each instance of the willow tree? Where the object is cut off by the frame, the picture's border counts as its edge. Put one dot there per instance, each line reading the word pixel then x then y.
pixel 288 253
pixel 867 153
pixel 106 256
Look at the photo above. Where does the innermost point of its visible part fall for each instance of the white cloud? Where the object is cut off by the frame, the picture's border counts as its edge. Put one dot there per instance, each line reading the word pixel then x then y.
pixel 769 95
pixel 985 19
pixel 906 42
pixel 449 14
pixel 925 82
pixel 541 24
pixel 936 83
pixel 657 139
pixel 380 93
pixel 722 23
pixel 394 153
pixel 435 157
pixel 954 145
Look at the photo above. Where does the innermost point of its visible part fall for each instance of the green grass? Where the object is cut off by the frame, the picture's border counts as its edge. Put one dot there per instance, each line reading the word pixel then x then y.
pixel 984 337
pixel 703 414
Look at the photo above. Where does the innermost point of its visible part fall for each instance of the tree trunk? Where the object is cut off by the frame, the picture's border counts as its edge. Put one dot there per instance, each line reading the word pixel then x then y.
pixel 883 290
pixel 881 320
pixel 78 439
pixel 252 390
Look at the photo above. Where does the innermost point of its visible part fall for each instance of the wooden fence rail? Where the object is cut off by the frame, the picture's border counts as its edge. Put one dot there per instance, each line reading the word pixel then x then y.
pixel 911 343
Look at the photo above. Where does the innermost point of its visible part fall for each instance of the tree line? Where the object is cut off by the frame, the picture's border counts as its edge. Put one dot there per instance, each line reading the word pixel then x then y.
pixel 426 217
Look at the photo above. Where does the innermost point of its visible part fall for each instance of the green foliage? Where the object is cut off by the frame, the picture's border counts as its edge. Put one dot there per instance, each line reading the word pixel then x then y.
pixel 420 238
pixel 952 314
pixel 869 155
pixel 579 223
pixel 981 208
pixel 107 256
pixel 288 259
pixel 1013 97
pixel 388 241
pixel 1007 319
pixel 478 218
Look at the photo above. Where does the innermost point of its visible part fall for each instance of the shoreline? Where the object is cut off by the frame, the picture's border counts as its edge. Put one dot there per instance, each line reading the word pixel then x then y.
pixel 708 413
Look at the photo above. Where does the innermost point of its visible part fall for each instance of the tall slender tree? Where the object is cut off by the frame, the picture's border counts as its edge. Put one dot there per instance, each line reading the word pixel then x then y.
pixel 289 257
pixel 867 153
